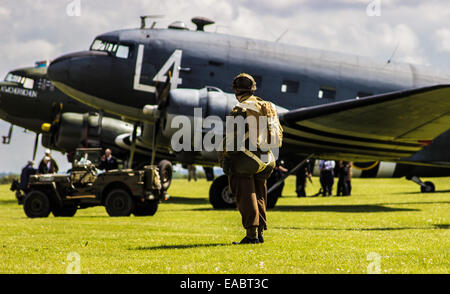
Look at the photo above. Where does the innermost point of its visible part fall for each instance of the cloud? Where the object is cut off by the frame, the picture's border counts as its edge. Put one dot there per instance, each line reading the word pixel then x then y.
pixel 442 39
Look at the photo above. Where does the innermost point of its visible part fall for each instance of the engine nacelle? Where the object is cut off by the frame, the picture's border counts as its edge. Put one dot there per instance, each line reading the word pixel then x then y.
pixel 211 102
pixel 199 109
pixel 84 130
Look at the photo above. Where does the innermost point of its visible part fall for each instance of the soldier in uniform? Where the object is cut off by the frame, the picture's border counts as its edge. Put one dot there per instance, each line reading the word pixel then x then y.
pixel 248 170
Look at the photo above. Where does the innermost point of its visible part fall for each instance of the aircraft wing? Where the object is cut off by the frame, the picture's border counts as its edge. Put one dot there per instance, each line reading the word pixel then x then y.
pixel 382 127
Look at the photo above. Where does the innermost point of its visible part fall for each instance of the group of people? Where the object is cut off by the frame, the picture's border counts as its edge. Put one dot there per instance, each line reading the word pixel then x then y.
pixel 344 174
pixel 328 171
pixel 48 165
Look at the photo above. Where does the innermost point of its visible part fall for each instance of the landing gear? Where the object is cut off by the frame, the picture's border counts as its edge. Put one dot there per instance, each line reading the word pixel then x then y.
pixel 425 187
pixel 221 197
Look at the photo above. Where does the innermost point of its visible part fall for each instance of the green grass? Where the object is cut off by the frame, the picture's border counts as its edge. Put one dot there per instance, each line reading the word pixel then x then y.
pixel 409 231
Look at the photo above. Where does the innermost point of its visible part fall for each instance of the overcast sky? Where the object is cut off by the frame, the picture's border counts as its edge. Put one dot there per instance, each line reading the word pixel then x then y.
pixel 34 30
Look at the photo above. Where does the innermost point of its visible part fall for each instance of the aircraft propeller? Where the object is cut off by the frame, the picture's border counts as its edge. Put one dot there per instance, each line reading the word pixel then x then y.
pixel 162 100
pixel 133 145
pixel 36 142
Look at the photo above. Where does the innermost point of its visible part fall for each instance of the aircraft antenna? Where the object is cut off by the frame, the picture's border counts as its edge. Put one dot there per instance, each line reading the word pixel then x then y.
pixel 393 53
pixel 281 36
pixel 145 17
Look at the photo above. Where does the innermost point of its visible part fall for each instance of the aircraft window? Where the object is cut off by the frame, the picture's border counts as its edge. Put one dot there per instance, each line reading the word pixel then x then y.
pixel 327 93
pixel 26 82
pixel 289 87
pixel 120 51
pixel 12 78
pixel 98 45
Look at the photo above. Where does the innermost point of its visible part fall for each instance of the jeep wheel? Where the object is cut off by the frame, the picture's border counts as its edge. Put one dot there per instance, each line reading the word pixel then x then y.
pixel 165 173
pixel 119 203
pixel 36 204
pixel 147 208
pixel 67 211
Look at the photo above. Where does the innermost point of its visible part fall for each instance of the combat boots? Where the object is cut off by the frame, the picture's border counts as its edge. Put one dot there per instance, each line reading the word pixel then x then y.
pixel 251 238
pixel 247 240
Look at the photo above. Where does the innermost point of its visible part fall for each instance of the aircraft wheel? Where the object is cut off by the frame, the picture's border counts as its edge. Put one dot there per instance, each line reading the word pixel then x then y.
pixel 147 208
pixel 119 203
pixel 165 173
pixel 36 204
pixel 428 188
pixel 220 195
pixel 67 211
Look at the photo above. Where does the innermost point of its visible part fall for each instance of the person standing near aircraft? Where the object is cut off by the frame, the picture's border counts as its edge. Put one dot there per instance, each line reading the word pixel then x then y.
pixel 27 171
pixel 302 174
pixel 48 165
pixel 192 173
pixel 277 174
pixel 348 178
pixel 342 188
pixel 108 161
pixel 326 176
pixel 247 171
pixel 44 165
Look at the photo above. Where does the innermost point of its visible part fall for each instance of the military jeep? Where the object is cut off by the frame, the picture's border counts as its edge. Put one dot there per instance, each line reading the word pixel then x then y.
pixel 121 191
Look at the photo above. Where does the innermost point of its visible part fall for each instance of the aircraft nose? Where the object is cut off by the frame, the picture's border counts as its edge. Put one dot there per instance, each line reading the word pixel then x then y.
pixel 71 67
pixel 58 70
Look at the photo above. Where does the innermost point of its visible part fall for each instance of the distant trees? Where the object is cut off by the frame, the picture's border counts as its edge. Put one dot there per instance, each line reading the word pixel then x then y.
pixel 8 178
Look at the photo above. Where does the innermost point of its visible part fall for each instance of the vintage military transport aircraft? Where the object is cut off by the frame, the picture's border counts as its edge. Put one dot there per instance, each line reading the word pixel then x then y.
pixel 331 105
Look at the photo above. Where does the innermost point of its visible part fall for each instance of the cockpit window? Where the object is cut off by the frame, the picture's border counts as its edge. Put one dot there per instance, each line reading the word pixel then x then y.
pixel 26 82
pixel 120 51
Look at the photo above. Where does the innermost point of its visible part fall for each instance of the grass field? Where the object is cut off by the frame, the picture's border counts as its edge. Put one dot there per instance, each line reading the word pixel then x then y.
pixel 406 231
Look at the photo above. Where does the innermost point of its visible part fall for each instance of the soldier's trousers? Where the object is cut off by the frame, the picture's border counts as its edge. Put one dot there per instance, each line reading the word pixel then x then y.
pixel 251 199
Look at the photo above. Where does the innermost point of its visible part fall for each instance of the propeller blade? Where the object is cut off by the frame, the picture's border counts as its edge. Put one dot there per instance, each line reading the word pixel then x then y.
pixel 57 110
pixel 162 103
pixel 7 139
pixel 133 145
pixel 154 139
pixel 162 100
pixel 100 120
pixel 36 142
